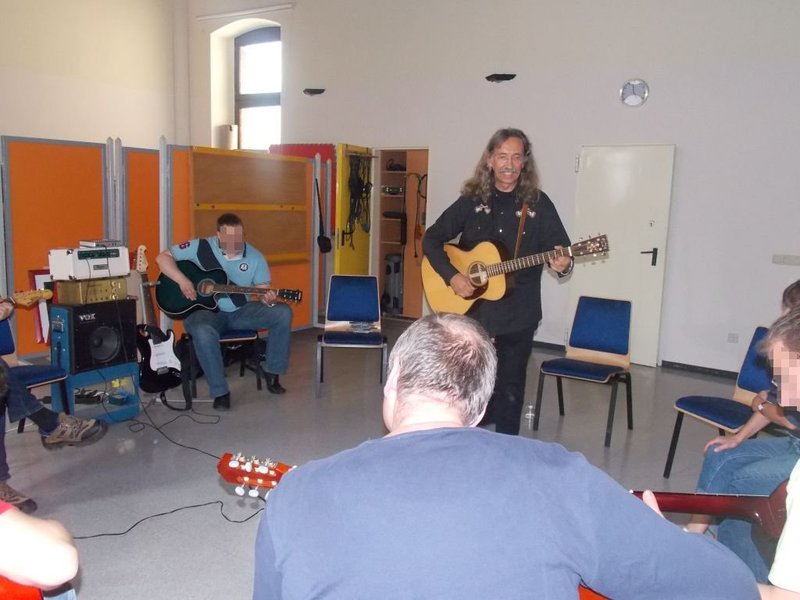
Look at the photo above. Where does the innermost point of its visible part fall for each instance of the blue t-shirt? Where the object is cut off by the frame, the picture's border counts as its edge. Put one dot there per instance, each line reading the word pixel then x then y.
pixel 247 270
pixel 466 513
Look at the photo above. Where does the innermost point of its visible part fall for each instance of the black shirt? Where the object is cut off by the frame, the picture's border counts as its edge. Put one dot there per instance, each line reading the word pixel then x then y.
pixel 498 222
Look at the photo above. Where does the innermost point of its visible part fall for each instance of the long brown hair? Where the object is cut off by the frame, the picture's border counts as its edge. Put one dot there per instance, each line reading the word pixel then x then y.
pixel 481 185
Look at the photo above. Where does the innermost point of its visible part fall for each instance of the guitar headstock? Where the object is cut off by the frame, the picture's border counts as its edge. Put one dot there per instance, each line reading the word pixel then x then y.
pixel 293 296
pixel 250 473
pixel 31 297
pixel 141 259
pixel 596 245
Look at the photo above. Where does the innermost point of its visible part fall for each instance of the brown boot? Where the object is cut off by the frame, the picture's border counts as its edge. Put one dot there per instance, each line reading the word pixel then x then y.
pixel 72 431
pixel 12 496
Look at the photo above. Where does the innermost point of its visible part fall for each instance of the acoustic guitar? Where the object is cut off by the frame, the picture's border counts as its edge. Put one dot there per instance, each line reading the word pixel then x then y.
pixel 208 283
pixel 159 369
pixel 486 271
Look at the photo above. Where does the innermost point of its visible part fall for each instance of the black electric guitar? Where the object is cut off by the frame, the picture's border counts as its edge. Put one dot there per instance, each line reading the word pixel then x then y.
pixel 159 369
pixel 208 284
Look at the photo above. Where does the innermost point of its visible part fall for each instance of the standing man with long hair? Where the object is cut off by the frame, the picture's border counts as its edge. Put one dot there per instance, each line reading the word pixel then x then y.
pixel 502 202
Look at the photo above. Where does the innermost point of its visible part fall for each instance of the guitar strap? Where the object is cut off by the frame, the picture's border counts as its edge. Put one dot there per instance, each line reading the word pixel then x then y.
pixel 207 260
pixel 523 213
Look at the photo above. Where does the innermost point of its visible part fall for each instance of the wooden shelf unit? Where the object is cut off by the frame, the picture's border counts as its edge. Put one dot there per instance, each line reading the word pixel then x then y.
pixel 401 219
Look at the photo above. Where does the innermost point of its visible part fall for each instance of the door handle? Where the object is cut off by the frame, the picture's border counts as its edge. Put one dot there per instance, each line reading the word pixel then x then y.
pixel 653 253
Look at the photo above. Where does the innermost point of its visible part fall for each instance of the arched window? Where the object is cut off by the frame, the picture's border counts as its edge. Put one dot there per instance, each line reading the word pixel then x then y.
pixel 257 75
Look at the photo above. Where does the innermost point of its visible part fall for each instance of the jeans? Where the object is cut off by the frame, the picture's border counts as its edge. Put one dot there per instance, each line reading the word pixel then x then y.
pixel 753 467
pixel 205 328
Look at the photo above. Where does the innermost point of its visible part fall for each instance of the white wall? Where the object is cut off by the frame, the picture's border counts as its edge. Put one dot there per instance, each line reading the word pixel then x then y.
pixel 724 78
pixel 86 70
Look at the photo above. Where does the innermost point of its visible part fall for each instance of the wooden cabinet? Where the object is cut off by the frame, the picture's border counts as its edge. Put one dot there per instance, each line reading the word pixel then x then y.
pixel 401 190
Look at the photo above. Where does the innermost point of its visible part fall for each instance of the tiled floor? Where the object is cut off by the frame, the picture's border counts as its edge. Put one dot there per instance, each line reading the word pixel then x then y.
pixel 204 549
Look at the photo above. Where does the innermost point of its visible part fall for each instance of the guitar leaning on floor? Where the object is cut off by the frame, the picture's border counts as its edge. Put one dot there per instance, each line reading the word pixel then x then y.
pixel 208 284
pixel 486 271
pixel 159 369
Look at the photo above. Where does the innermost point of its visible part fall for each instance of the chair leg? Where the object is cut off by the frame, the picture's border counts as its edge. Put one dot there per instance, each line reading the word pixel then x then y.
pixel 21 426
pixel 318 376
pixel 538 408
pixel 560 396
pixel 629 400
pixel 63 387
pixel 384 359
pixel 676 433
pixel 611 409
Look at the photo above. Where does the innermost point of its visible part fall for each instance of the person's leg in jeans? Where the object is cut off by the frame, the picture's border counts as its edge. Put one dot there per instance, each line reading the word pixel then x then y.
pixel 754 467
pixel 278 320
pixel 7 493
pixel 513 352
pixel 205 328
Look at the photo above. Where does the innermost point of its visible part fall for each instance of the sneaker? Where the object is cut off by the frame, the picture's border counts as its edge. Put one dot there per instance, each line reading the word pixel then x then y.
pixel 12 496
pixel 72 431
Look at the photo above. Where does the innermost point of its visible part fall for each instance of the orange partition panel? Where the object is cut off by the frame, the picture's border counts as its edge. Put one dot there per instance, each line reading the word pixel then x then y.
pixel 55 199
pixel 141 167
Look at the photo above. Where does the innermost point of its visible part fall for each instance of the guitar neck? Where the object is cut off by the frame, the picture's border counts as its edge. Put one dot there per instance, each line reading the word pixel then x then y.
pixel 768 512
pixel 525 262
pixel 219 288
pixel 147 302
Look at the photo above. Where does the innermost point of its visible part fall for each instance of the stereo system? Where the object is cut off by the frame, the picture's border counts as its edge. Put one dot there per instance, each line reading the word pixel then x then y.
pixel 93 336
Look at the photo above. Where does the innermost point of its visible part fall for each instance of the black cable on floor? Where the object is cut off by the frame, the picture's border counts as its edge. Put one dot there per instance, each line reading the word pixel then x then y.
pixel 170 512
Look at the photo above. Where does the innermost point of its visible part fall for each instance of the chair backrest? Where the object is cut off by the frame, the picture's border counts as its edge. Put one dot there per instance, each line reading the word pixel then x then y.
pixel 353 298
pixel 756 373
pixel 8 349
pixel 601 331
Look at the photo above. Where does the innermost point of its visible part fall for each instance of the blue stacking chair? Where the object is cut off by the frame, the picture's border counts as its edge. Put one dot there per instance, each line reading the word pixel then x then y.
pixel 727 415
pixel 598 352
pixel 32 376
pixel 352 320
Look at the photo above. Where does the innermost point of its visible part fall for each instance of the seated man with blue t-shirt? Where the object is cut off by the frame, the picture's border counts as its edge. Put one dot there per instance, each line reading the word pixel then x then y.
pixel 244 266
pixel 442 509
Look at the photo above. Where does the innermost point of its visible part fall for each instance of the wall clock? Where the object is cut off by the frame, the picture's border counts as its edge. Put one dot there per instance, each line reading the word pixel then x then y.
pixel 634 92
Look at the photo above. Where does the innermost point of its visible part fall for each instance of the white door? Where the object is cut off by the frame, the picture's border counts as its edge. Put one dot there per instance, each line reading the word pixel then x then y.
pixel 625 192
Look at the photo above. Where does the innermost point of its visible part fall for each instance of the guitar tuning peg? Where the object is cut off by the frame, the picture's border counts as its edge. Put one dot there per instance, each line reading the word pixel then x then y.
pixel 239 489
pixel 253 492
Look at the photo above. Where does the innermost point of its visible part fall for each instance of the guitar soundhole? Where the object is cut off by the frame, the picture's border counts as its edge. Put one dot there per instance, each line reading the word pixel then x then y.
pixel 205 287
pixel 477 274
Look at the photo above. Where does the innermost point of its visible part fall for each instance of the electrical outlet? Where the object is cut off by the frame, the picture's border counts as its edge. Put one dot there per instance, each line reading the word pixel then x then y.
pixel 786 259
pixel 733 338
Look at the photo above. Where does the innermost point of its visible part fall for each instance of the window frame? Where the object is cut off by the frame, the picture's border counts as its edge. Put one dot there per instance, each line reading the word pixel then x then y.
pixel 242 101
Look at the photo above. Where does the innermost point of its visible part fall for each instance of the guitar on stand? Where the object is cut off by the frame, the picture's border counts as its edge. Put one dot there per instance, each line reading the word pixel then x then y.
pixel 159 368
